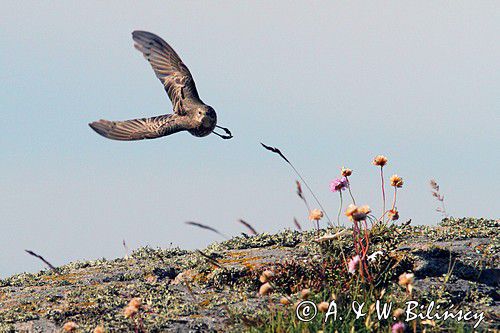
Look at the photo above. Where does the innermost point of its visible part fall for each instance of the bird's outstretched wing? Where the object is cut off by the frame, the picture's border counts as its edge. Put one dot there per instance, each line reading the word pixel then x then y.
pixel 169 68
pixel 137 129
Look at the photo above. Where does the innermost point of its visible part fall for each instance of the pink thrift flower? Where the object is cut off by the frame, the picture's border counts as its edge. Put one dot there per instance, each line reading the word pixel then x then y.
pixel 338 184
pixel 353 264
pixel 398 327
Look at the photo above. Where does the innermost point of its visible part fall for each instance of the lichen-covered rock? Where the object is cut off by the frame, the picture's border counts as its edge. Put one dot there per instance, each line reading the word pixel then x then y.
pixel 203 291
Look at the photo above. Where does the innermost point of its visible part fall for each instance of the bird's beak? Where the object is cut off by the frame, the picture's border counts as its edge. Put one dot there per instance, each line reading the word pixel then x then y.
pixel 228 132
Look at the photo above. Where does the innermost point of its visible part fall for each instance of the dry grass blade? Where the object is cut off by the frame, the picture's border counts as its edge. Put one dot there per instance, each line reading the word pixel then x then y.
pixel 276 151
pixel 435 190
pixel 249 227
pixel 210 259
pixel 297 224
pixel 439 197
pixel 41 258
pixel 126 249
pixel 299 190
pixel 301 196
pixel 206 227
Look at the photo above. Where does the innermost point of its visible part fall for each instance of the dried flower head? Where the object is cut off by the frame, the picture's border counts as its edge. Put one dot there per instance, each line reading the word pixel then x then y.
pixel 132 308
pixel 99 329
pixel 396 181
pixel 130 311
pixel 355 213
pixel 393 214
pixel 304 293
pixel 346 172
pixel 380 160
pixel 365 209
pixel 323 306
pixel 353 264
pixel 429 322
pixel 398 313
pixel 315 215
pixel 285 300
pixel 70 326
pixel 265 289
pixel 338 184
pixel 135 302
pixel 351 209
pixel 406 279
pixel 398 328
pixel 151 278
pixel 266 276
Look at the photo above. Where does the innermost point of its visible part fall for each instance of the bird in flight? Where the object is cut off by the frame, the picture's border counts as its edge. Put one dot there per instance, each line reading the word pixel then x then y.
pixel 189 112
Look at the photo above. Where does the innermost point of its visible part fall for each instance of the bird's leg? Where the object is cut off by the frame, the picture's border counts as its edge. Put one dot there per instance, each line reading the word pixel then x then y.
pixel 228 132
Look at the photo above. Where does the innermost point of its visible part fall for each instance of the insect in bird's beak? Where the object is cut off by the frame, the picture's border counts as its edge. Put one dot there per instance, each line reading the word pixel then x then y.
pixel 225 137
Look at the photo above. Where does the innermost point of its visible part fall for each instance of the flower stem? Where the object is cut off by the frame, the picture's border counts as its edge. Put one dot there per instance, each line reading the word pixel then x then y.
pixel 340 208
pixel 394 200
pixel 350 193
pixel 383 189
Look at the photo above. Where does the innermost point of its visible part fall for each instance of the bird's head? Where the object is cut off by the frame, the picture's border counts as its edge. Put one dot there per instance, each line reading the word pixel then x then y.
pixel 206 116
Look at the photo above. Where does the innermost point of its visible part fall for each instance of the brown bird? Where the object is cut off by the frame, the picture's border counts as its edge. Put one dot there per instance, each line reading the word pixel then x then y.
pixel 189 112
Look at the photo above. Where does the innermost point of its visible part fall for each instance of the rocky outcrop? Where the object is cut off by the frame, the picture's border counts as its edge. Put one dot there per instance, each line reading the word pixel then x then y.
pixel 208 290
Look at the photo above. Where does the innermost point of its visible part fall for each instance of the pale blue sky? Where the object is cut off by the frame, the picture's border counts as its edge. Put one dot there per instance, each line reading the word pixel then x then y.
pixel 330 83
